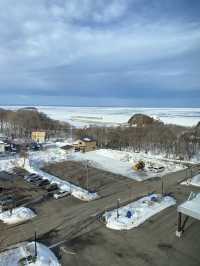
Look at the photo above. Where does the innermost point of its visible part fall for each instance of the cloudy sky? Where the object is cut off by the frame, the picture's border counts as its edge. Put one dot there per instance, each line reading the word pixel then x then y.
pixel 143 53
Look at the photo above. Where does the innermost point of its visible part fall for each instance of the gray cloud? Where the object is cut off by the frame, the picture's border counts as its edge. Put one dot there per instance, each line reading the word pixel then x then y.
pixel 86 48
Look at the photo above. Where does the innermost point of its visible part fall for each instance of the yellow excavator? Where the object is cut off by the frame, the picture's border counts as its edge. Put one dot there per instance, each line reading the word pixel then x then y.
pixel 139 166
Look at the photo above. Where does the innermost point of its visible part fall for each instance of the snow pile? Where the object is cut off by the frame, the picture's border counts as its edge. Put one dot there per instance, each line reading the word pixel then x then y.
pixel 194 181
pixel 17 215
pixel 45 256
pixel 121 162
pixel 136 213
pixel 61 144
pixel 8 164
pixel 84 194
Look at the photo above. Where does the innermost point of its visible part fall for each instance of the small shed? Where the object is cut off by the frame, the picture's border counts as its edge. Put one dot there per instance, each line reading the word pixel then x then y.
pixel 38 136
pixel 2 147
pixel 85 145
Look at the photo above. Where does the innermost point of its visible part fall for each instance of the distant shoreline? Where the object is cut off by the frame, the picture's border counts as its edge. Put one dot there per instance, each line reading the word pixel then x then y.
pixel 94 106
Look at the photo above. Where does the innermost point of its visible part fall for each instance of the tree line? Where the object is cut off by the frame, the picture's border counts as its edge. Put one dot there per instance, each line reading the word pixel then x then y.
pixel 21 123
pixel 172 140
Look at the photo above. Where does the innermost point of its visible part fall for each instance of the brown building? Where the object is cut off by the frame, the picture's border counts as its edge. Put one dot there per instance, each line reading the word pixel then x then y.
pixel 85 145
pixel 38 136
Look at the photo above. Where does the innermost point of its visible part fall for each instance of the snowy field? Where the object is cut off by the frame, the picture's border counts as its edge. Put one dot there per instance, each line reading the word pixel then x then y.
pixel 136 213
pixel 12 256
pixel 121 162
pixel 82 116
pixel 18 215
pixel 117 162
pixel 7 164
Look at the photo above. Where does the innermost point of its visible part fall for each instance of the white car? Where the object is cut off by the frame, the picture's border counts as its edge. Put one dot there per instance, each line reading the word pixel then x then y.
pixel 61 194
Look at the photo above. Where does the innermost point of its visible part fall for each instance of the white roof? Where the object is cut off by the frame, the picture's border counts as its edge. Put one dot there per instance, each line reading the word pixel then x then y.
pixel 191 207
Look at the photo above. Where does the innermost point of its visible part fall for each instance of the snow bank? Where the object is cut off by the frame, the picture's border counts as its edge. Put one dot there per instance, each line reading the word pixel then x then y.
pixel 136 213
pixel 121 162
pixel 194 181
pixel 45 256
pixel 84 195
pixel 18 215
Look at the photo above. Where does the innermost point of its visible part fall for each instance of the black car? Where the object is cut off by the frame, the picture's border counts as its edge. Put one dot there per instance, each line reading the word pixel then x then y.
pixel 52 187
pixel 33 178
pixel 42 183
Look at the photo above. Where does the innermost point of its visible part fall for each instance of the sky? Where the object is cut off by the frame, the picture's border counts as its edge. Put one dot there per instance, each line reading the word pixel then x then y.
pixel 139 53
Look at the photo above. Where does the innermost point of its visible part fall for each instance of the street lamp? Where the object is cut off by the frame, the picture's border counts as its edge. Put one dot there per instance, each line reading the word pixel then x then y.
pixel 118 203
pixel 87 175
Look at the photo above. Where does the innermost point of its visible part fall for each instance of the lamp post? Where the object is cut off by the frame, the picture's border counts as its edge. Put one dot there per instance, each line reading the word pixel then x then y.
pixel 118 203
pixel 35 245
pixel 87 185
pixel 162 186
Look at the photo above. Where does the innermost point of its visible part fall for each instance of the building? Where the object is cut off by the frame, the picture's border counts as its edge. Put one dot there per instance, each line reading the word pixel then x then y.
pixel 38 136
pixel 85 145
pixel 2 147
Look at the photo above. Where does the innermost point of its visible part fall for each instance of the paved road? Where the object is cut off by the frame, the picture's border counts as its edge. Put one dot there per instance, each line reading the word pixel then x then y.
pixel 67 218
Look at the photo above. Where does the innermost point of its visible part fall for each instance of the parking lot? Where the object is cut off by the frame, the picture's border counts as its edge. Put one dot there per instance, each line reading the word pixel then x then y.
pixel 72 227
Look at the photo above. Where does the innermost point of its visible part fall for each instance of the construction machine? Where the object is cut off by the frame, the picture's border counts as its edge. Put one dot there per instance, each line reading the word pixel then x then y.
pixel 139 166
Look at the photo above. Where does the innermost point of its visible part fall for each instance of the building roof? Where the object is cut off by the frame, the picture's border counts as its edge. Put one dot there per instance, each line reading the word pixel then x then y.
pixel 86 139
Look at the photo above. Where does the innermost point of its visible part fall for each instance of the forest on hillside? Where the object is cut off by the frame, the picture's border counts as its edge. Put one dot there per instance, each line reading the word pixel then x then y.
pixel 20 123
pixel 144 134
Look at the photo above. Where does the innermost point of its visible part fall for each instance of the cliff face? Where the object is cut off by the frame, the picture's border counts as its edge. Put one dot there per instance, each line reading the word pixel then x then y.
pixel 141 120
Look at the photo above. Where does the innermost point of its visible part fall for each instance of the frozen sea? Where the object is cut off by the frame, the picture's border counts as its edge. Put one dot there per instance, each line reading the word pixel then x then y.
pixel 83 116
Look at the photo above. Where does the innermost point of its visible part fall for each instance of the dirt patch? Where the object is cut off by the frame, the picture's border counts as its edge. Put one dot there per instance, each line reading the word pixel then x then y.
pixel 76 173
pixel 83 241
pixel 165 246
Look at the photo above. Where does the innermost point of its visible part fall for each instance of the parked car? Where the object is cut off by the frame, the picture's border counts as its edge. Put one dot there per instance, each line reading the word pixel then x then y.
pixel 61 194
pixel 33 178
pixel 30 176
pixel 52 187
pixel 159 169
pixel 42 183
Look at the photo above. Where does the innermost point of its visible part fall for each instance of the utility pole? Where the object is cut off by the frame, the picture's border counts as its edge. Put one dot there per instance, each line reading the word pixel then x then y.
pixel 162 186
pixel 35 245
pixel 87 176
pixel 118 202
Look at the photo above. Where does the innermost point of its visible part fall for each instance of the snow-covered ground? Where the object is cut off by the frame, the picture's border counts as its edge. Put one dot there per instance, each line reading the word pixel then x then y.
pixel 83 116
pixel 45 256
pixel 7 164
pixel 118 162
pixel 194 181
pixel 17 215
pixel 136 213
pixel 38 159
pixel 121 162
